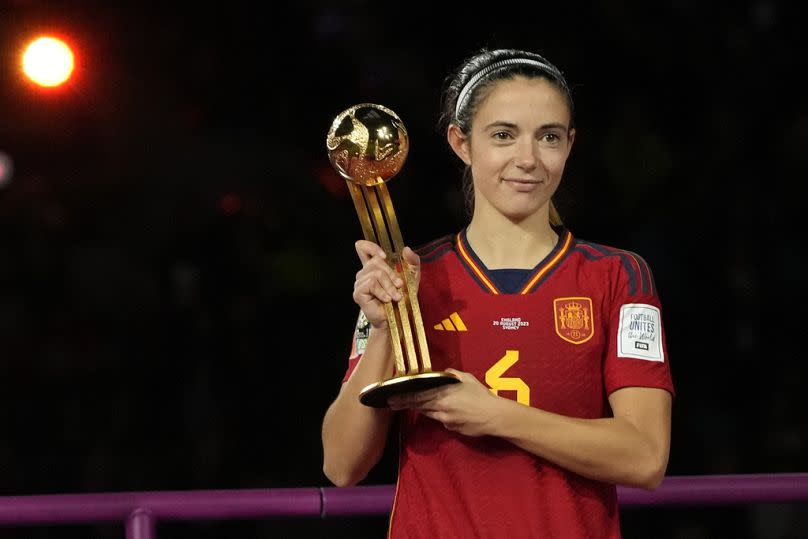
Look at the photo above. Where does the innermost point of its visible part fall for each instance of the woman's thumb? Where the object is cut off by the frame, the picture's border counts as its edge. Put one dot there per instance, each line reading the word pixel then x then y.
pixel 413 261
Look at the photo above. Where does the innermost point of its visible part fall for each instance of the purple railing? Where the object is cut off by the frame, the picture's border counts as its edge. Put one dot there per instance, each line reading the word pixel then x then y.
pixel 140 511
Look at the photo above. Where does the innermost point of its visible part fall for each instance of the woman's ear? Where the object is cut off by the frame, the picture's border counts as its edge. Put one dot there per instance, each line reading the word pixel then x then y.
pixel 459 143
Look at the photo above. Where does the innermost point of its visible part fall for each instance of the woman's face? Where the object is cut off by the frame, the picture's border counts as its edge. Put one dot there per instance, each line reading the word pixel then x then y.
pixel 519 143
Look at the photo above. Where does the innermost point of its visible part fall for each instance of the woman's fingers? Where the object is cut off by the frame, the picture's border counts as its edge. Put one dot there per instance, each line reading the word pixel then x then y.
pixel 376 285
pixel 376 277
pixel 367 250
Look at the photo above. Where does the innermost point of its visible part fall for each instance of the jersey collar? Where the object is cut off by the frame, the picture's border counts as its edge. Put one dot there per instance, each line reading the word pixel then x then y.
pixel 539 273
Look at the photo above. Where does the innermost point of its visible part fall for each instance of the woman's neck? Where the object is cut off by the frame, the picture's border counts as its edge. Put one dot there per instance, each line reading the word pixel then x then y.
pixel 502 243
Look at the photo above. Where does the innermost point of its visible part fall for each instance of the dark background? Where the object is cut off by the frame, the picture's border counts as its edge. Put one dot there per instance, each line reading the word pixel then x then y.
pixel 176 262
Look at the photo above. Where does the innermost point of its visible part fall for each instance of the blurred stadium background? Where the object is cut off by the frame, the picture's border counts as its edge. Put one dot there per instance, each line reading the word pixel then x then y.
pixel 176 262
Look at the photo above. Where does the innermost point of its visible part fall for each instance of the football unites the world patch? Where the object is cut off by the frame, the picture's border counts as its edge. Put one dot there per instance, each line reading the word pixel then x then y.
pixel 639 334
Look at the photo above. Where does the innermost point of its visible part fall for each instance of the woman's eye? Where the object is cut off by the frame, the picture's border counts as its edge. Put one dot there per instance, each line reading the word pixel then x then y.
pixel 502 135
pixel 550 137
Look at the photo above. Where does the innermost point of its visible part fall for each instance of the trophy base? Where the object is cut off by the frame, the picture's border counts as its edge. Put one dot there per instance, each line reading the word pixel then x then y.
pixel 375 395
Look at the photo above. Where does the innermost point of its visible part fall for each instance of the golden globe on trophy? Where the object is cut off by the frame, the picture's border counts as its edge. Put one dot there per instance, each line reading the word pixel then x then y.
pixel 367 145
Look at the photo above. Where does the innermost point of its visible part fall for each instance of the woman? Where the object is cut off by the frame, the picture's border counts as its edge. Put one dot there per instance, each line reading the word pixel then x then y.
pixel 565 386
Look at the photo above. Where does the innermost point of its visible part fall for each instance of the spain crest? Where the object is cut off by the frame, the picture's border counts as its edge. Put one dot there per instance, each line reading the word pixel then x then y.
pixel 573 319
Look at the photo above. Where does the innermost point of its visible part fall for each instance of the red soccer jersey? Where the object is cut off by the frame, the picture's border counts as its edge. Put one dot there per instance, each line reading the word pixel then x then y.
pixel 586 322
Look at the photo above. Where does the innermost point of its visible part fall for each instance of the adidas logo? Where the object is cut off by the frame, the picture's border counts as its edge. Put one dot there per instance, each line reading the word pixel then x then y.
pixel 453 323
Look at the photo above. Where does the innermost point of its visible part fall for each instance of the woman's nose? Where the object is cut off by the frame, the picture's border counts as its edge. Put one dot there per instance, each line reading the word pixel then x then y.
pixel 526 156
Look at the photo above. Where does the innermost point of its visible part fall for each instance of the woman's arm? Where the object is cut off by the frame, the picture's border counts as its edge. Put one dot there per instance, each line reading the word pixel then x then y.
pixel 630 448
pixel 354 435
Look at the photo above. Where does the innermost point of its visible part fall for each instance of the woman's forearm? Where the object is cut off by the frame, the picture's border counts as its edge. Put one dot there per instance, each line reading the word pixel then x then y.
pixel 354 435
pixel 614 449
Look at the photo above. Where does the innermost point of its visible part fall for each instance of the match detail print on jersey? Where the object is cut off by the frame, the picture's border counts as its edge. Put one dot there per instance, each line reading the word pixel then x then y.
pixel 639 333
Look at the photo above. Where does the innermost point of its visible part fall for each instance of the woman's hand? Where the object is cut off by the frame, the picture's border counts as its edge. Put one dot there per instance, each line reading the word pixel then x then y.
pixel 377 283
pixel 466 407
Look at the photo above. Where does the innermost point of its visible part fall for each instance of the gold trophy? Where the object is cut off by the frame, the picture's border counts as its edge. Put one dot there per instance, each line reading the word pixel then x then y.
pixel 368 144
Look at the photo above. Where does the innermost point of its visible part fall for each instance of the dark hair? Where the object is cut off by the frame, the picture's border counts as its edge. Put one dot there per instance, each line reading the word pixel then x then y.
pixel 467 86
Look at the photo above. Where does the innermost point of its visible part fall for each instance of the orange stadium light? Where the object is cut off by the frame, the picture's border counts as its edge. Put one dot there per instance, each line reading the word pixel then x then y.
pixel 48 61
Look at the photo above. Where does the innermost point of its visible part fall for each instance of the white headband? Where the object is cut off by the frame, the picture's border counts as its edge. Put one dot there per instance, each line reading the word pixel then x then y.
pixel 496 66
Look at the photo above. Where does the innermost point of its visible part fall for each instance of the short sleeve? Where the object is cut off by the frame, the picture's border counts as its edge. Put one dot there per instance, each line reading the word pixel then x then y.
pixel 637 352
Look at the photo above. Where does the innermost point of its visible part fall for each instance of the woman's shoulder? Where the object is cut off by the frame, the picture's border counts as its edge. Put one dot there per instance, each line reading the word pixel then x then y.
pixel 436 247
pixel 603 250
pixel 626 264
